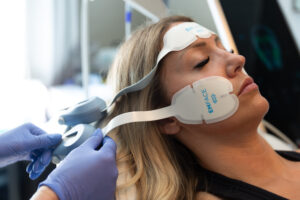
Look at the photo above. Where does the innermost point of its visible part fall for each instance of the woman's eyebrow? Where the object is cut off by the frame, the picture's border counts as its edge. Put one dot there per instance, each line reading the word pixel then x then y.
pixel 197 45
pixel 201 44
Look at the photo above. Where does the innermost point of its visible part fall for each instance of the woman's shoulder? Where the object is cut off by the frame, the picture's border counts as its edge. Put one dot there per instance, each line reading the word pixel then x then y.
pixel 206 196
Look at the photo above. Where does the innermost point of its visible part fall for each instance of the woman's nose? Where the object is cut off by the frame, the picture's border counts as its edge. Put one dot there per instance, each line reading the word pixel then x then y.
pixel 235 64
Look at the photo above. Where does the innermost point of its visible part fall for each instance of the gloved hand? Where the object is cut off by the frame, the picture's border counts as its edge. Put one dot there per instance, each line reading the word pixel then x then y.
pixel 28 142
pixel 86 173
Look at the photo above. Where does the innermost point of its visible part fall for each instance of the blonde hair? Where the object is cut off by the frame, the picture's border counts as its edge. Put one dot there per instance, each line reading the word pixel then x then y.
pixel 155 164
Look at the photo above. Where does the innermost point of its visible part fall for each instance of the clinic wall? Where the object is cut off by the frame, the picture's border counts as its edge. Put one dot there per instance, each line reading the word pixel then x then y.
pixel 40 39
pixel 107 19
pixel 52 45
pixel 196 9
pixel 52 38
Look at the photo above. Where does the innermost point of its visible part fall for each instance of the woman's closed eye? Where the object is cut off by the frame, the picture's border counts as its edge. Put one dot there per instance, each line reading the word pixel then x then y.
pixel 201 64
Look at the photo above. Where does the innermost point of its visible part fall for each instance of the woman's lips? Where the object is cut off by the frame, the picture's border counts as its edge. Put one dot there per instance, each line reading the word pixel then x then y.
pixel 247 86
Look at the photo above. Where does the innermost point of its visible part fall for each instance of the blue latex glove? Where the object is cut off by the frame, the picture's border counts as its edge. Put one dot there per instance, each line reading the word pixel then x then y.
pixel 86 173
pixel 28 142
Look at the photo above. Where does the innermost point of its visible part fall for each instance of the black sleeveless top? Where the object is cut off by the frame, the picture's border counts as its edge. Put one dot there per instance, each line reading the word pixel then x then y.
pixel 227 188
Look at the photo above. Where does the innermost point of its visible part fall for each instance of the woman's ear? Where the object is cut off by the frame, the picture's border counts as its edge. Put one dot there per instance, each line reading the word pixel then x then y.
pixel 169 126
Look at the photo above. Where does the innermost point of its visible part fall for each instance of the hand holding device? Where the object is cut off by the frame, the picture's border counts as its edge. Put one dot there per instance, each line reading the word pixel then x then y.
pixel 86 173
pixel 28 142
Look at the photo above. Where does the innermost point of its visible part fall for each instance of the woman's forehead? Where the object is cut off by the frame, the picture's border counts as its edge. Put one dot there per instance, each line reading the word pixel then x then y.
pixel 197 44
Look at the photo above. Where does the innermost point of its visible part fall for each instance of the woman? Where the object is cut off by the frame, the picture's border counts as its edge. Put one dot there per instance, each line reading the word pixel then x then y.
pixel 167 159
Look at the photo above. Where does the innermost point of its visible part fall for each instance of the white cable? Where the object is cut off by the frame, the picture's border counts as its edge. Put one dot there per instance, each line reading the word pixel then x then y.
pixel 279 134
pixel 139 116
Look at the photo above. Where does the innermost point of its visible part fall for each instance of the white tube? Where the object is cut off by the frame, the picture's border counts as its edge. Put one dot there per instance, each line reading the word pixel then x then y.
pixel 85 46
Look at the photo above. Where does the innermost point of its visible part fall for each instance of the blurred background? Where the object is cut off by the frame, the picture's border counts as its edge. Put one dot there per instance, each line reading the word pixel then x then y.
pixel 55 53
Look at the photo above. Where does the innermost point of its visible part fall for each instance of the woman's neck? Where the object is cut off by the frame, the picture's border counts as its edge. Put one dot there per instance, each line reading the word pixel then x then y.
pixel 243 156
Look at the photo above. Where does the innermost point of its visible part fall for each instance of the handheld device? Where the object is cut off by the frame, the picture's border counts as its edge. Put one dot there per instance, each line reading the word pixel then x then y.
pixel 79 119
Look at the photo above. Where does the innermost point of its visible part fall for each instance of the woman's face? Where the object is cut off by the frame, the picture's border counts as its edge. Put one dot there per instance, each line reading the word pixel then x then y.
pixel 207 57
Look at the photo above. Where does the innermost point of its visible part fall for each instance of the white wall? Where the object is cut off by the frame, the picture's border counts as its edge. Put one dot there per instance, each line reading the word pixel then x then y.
pixel 107 25
pixel 196 9
pixel 107 18
pixel 53 34
pixel 107 22
pixel 12 41
pixel 40 39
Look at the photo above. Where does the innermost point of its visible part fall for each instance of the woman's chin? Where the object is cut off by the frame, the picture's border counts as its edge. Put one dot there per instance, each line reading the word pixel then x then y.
pixel 252 112
pixel 248 116
pixel 248 113
pixel 254 102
